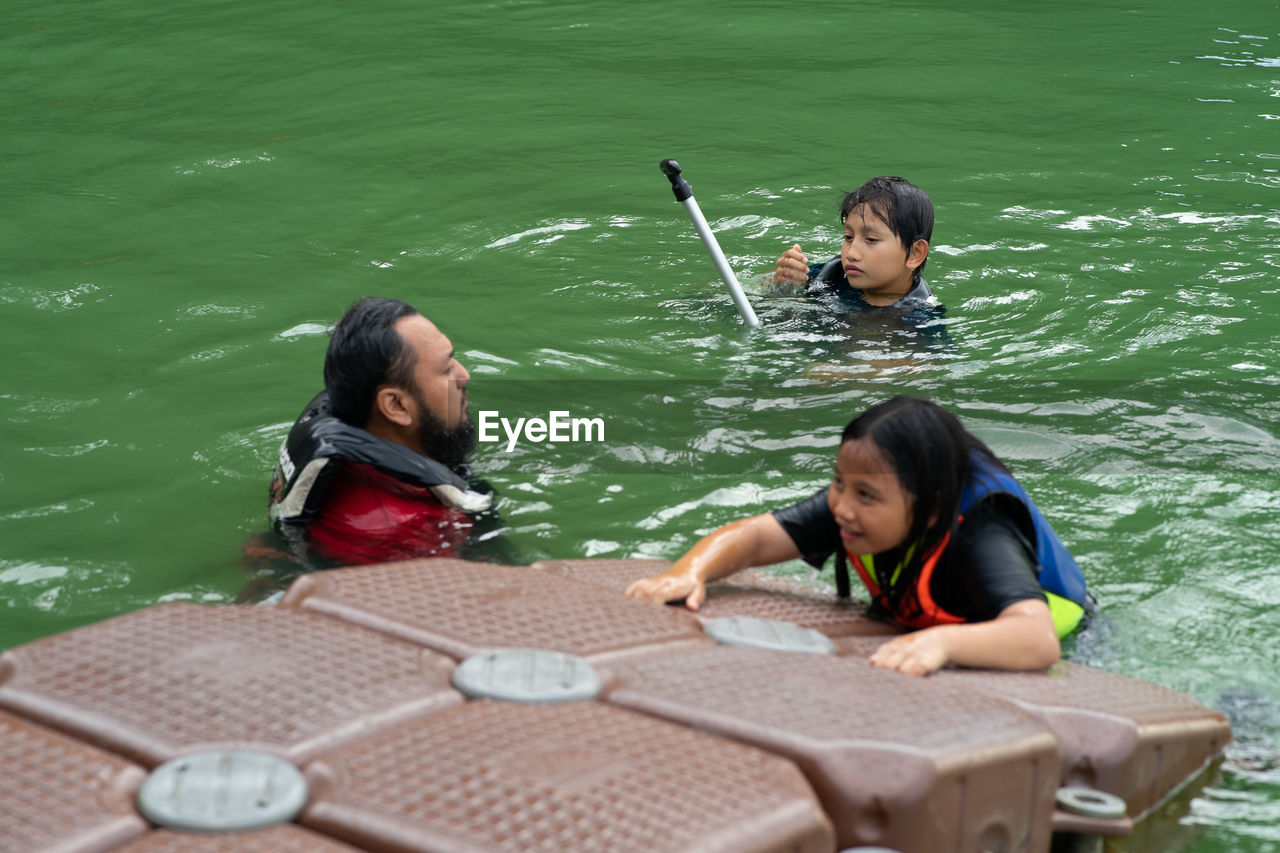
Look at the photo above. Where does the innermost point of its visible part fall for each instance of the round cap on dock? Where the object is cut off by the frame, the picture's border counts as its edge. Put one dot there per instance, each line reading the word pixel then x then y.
pixel 527 675
pixel 1090 803
pixel 768 634
pixel 223 791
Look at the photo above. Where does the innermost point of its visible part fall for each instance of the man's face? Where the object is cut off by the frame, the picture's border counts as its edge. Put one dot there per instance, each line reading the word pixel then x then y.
pixel 450 445
pixel 443 420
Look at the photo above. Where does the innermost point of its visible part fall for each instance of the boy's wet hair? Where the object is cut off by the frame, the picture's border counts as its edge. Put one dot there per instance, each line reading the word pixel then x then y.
pixel 366 352
pixel 903 206
pixel 929 450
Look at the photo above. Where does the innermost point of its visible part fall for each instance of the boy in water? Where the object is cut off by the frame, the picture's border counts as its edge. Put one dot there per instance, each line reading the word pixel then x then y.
pixel 888 223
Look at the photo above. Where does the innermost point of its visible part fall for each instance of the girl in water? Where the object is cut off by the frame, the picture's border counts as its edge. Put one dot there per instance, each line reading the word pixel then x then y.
pixel 942 536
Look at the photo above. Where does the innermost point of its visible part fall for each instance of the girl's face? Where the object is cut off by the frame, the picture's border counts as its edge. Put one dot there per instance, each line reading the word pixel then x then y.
pixel 872 509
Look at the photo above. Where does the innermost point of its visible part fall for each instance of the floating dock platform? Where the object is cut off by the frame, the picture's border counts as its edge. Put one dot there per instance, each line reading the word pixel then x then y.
pixel 455 707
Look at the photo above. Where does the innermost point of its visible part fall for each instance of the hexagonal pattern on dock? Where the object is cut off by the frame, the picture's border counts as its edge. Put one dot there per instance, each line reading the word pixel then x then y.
pixel 964 759
pixel 582 776
pixel 751 592
pixel 58 794
pixel 897 761
pixel 201 676
pixel 286 838
pixel 462 608
pixel 1130 738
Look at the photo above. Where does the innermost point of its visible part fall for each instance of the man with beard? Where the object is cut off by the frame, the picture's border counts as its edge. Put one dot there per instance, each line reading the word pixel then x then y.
pixel 373 469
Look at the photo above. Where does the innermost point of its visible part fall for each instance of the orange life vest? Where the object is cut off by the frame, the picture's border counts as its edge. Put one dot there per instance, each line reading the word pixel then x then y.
pixel 931 613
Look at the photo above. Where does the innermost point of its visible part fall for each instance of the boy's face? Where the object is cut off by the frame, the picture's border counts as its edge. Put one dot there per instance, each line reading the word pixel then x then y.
pixel 874 259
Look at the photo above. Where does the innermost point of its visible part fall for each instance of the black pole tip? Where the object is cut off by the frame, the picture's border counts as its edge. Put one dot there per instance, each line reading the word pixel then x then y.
pixel 679 185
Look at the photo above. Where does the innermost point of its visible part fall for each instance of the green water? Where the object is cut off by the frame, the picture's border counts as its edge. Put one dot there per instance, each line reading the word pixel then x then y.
pixel 193 192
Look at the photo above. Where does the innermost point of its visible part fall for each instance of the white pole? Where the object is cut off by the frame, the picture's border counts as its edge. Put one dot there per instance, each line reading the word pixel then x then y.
pixel 684 194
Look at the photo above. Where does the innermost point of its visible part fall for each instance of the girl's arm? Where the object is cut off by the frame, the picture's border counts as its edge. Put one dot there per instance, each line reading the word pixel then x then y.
pixel 756 541
pixel 1022 636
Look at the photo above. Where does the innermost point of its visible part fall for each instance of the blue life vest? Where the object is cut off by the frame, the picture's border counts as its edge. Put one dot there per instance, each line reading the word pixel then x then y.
pixel 1059 572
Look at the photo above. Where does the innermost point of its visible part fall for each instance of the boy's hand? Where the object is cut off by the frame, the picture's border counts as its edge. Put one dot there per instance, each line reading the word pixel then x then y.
pixel 670 586
pixel 793 267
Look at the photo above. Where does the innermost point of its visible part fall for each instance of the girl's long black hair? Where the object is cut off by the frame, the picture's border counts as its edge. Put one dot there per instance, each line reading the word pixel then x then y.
pixel 929 450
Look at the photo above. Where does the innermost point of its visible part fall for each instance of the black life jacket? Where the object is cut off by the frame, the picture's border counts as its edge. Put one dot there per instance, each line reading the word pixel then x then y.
pixel 832 276
pixel 317 445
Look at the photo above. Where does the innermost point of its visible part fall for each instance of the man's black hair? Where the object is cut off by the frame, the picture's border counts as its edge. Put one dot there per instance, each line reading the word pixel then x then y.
pixel 903 206
pixel 365 353
pixel 929 450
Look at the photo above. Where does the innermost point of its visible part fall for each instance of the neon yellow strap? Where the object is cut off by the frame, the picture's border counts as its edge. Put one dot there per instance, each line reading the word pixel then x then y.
pixel 869 561
pixel 1066 613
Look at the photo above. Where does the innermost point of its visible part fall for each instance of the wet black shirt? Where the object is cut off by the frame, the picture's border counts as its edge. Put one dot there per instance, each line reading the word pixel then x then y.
pixel 989 565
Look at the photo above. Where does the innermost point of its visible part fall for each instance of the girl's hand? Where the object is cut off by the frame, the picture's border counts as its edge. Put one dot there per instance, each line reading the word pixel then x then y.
pixel 917 653
pixel 1021 637
pixel 671 586
pixel 793 267
pixel 756 541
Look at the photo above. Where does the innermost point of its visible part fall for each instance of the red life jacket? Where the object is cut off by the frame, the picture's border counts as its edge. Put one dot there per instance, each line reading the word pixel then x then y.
pixel 357 498
pixel 372 517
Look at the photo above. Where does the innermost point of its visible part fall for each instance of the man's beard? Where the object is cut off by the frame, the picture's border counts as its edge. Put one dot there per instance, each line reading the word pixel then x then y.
pixel 443 444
